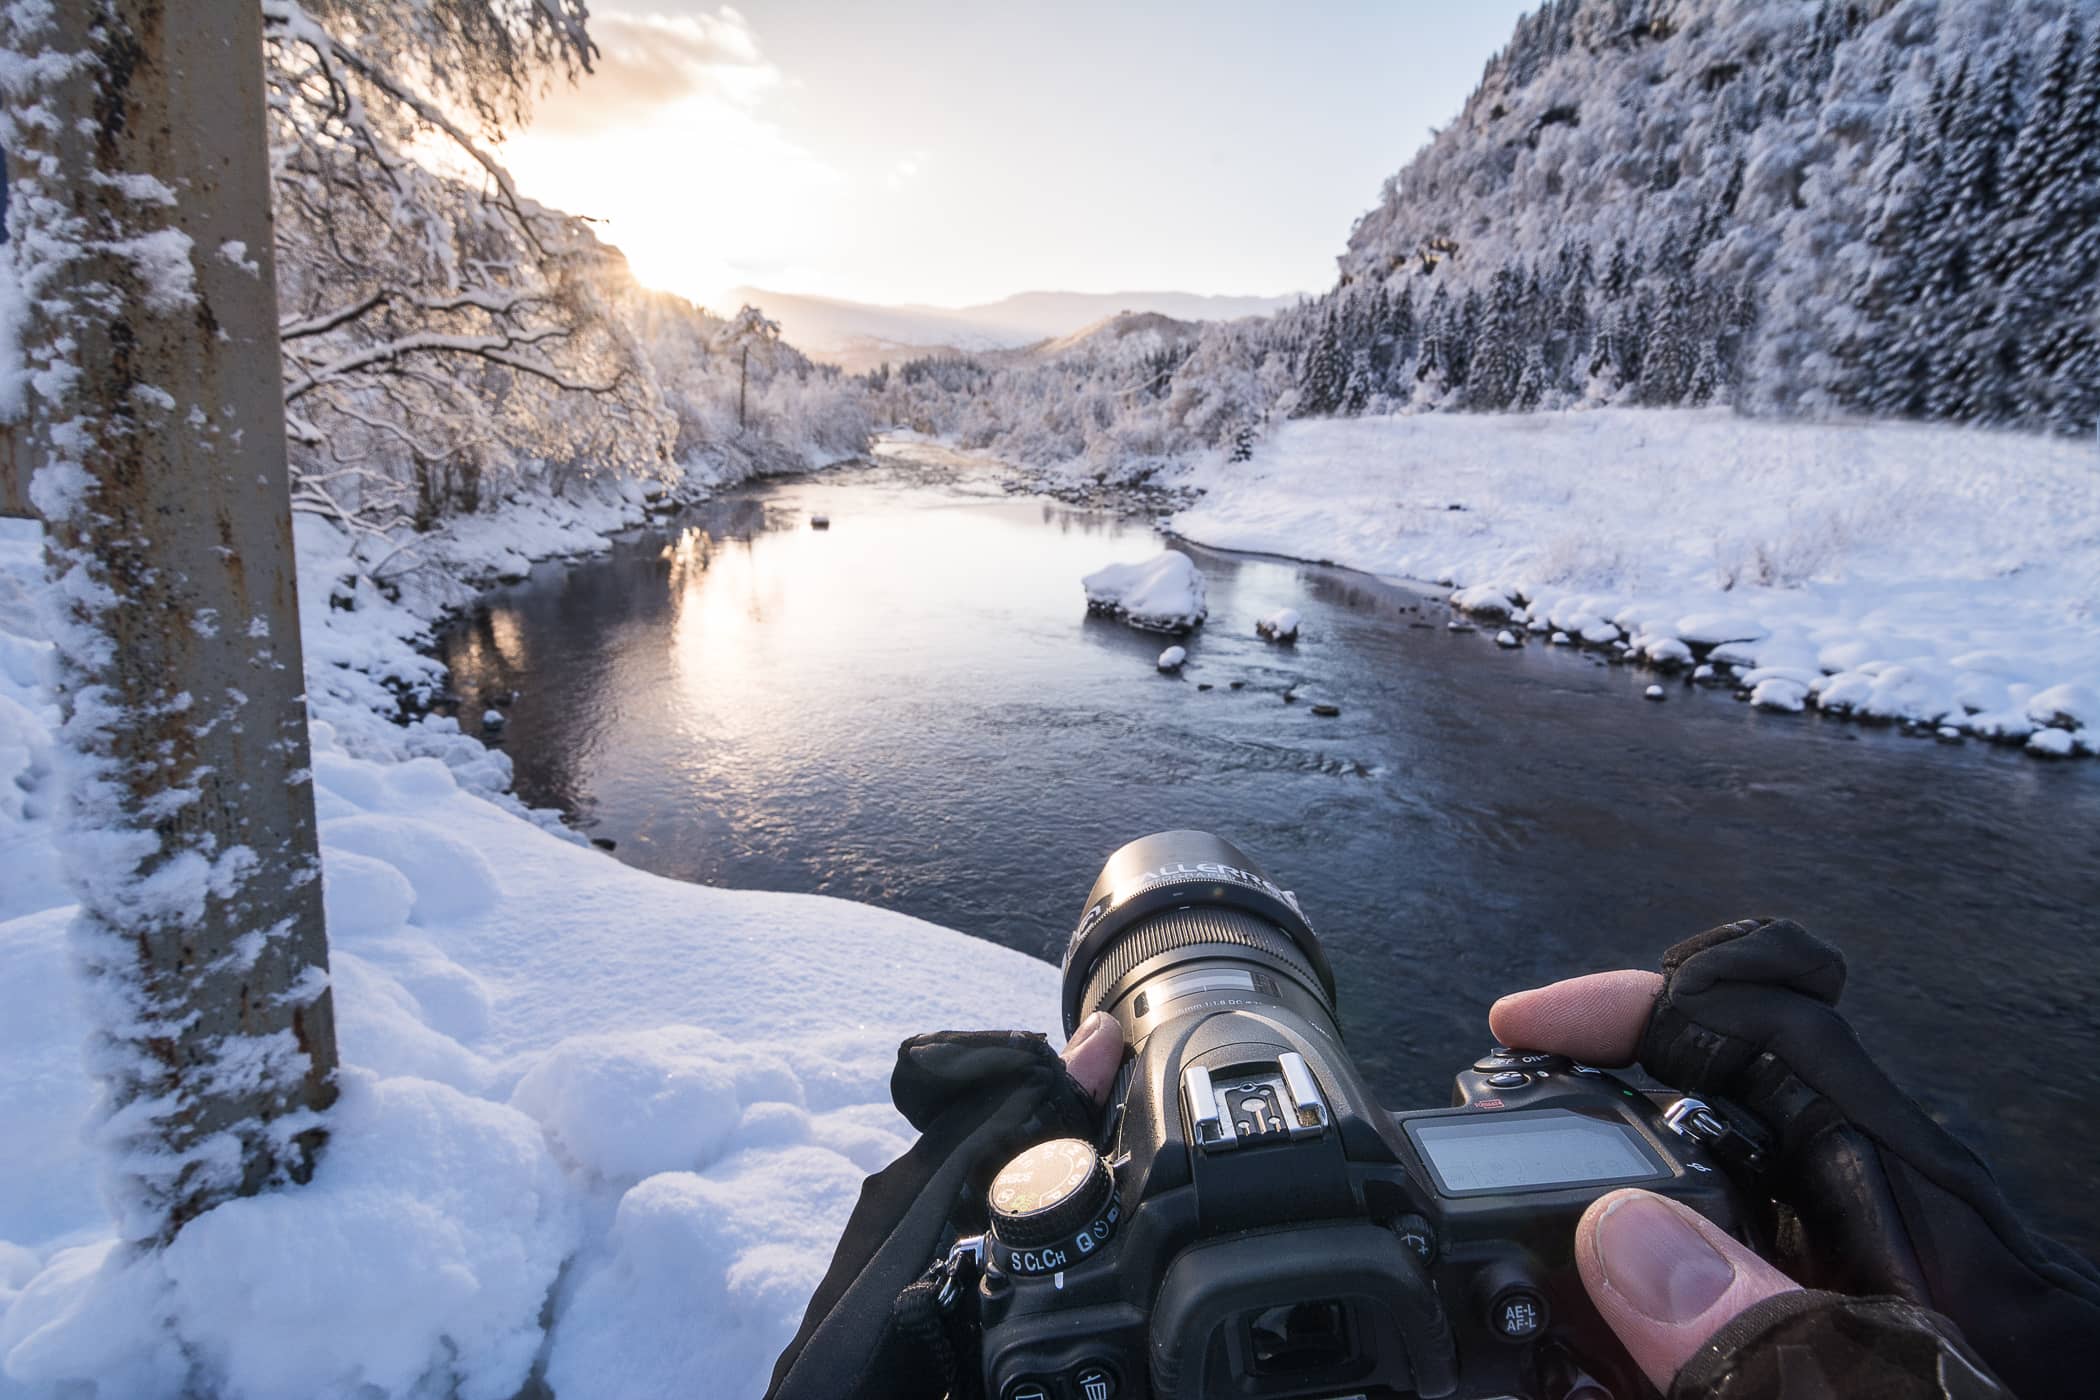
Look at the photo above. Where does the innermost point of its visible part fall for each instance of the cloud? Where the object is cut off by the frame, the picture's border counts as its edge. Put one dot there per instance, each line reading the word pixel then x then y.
pixel 670 145
pixel 648 62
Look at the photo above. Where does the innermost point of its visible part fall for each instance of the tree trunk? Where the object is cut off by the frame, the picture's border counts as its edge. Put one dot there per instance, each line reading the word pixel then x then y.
pixel 157 442
pixel 743 377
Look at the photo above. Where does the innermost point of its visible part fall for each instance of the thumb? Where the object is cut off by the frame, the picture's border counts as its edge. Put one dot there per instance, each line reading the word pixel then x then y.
pixel 1665 1278
pixel 1094 1054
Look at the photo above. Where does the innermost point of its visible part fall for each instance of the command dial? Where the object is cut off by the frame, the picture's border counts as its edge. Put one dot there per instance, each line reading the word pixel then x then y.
pixel 1051 1207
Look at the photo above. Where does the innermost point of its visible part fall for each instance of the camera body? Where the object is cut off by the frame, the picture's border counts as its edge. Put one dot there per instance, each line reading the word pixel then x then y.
pixel 1250 1223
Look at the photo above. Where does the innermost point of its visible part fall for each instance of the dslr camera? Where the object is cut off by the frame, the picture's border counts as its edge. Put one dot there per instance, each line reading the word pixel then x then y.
pixel 1250 1223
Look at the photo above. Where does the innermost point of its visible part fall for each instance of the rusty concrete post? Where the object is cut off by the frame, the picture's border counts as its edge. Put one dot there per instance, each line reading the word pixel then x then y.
pixel 142 232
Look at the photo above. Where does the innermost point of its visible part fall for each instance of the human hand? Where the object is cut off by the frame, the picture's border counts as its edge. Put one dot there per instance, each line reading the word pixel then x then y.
pixel 1664 1278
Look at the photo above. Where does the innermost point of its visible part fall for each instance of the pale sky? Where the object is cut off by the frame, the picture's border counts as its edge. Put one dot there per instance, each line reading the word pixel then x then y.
pixel 952 153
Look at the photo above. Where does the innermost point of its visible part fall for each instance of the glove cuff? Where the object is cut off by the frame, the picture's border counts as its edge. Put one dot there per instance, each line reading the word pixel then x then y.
pixel 1830 1344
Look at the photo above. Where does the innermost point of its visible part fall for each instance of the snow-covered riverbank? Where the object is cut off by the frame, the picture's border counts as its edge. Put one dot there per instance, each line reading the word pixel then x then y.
pixel 594 1122
pixel 1944 577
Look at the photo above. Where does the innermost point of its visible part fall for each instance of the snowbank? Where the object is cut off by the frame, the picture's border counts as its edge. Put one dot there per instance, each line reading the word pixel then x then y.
pixel 1162 594
pixel 596 1125
pixel 1937 576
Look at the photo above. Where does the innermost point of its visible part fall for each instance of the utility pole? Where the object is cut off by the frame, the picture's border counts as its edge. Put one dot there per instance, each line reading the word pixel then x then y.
pixel 142 234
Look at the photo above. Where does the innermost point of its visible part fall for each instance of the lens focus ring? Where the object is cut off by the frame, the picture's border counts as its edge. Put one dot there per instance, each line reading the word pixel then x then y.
pixel 1183 928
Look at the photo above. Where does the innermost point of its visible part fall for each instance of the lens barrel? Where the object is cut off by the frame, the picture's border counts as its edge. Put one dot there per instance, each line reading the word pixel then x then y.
pixel 1185 889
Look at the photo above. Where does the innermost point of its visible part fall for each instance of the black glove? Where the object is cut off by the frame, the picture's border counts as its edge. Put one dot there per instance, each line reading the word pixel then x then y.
pixel 1879 1198
pixel 977 1098
pixel 1808 1344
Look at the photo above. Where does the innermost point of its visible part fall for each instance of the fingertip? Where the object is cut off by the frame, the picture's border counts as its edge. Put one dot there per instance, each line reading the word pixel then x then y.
pixel 1597 1019
pixel 1094 1054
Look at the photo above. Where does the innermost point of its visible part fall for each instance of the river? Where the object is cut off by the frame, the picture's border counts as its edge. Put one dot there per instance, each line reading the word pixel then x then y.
pixel 911 708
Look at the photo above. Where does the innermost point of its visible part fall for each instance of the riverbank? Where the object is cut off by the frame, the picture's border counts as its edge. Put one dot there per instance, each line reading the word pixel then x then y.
pixel 1941 578
pixel 596 1126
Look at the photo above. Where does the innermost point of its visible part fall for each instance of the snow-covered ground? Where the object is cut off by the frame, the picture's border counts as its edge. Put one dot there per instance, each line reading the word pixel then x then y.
pixel 592 1120
pixel 1936 575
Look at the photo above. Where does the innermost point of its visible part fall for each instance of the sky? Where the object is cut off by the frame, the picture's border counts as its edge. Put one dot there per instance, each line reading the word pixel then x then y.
pixel 954 153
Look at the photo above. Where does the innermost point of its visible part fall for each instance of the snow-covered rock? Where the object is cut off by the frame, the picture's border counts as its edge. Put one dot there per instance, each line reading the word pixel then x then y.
pixel 1507 638
pixel 1278 626
pixel 2052 743
pixel 1172 658
pixel 1667 652
pixel 1653 692
pixel 1162 594
pixel 1562 639
pixel 2067 706
pixel 1484 600
pixel 1780 693
pixel 1712 629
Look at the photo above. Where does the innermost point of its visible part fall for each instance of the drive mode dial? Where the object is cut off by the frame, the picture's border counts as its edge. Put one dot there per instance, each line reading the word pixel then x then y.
pixel 1052 1207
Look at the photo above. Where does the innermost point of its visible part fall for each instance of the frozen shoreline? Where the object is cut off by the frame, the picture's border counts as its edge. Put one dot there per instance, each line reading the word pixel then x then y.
pixel 1944 578
pixel 638 1108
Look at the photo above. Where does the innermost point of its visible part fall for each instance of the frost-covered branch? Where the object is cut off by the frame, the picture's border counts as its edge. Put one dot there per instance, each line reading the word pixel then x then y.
pixel 497 349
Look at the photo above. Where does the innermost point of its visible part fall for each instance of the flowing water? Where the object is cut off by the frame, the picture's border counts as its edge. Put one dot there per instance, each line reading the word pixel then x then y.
pixel 912 708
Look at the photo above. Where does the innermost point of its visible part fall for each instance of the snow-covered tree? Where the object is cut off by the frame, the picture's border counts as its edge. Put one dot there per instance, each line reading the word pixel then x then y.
pixel 141 214
pixel 441 331
pixel 749 330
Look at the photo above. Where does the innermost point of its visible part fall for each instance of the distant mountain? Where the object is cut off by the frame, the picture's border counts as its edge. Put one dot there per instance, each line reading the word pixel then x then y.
pixel 860 335
pixel 1154 332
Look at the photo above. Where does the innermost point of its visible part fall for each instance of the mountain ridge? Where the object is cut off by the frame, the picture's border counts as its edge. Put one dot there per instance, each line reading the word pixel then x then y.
pixel 859 335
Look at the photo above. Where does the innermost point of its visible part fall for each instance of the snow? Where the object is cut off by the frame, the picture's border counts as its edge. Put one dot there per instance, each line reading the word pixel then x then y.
pixel 2051 743
pixel 1934 575
pixel 1279 626
pixel 1653 692
pixel 1506 638
pixel 1172 658
pixel 592 1120
pixel 1162 594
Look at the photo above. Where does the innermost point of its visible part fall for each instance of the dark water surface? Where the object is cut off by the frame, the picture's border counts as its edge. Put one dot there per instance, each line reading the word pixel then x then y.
pixel 912 709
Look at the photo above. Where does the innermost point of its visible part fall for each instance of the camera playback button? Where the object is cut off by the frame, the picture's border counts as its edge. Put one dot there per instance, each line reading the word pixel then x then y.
pixel 1027 1388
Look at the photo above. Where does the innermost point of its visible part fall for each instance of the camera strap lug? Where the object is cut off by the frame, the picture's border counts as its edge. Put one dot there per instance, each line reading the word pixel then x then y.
pixel 1728 1134
pixel 958 1271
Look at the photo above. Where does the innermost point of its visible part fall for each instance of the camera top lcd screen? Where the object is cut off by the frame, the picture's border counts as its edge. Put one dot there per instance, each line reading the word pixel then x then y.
pixel 1526 1151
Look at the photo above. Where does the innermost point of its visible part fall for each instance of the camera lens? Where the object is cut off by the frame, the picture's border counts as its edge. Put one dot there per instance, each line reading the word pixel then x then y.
pixel 1191 894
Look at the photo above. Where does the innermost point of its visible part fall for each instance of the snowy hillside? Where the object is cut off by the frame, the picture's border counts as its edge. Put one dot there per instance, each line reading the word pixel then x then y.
pixel 1812 205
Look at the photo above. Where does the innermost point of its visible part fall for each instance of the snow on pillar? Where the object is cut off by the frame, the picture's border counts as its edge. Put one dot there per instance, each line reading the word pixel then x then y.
pixel 142 234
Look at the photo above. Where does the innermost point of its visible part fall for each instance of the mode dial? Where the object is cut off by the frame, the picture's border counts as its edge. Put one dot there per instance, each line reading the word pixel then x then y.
pixel 1051 1207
